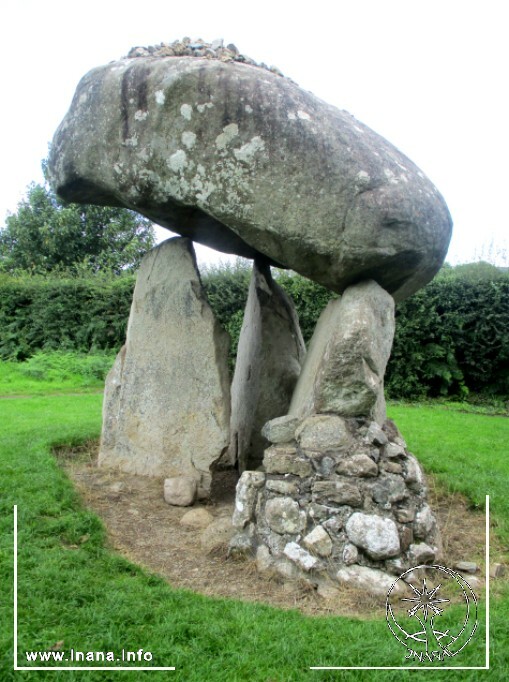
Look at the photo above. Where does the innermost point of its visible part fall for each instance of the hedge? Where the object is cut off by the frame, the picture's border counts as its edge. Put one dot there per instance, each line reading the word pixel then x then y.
pixel 62 314
pixel 451 337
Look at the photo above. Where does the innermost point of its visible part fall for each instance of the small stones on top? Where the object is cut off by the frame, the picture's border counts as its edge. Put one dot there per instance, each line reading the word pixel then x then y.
pixel 199 48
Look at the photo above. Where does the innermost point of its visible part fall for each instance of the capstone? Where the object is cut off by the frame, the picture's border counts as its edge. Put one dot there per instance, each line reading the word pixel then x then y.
pixel 229 155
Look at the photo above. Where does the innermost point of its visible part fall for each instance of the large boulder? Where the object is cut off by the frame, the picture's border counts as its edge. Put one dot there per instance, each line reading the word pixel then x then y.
pixel 243 160
pixel 167 400
pixel 269 358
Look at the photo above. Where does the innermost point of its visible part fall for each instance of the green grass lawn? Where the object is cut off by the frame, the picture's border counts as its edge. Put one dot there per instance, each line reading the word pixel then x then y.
pixel 467 452
pixel 82 593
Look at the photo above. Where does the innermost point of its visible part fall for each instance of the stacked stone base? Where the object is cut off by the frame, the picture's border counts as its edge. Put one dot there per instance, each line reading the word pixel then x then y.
pixel 338 499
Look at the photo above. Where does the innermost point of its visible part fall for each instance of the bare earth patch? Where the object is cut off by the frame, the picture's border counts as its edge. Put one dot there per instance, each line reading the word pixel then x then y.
pixel 145 529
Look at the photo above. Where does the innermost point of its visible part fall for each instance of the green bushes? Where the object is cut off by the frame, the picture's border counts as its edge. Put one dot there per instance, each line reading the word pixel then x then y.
pixel 309 297
pixel 49 372
pixel 227 287
pixel 451 337
pixel 61 365
pixel 39 313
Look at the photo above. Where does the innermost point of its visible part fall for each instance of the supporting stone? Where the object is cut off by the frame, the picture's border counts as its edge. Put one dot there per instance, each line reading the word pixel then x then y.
pixel 269 358
pixel 166 409
pixel 345 366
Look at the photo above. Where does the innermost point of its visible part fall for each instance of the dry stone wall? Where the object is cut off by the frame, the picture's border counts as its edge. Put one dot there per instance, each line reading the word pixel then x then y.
pixel 339 498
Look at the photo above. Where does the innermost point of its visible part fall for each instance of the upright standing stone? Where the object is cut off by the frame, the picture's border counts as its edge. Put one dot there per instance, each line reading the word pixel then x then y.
pixel 269 359
pixel 167 408
pixel 345 366
pixel 111 402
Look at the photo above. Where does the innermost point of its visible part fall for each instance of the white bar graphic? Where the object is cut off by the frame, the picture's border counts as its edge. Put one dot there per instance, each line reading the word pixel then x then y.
pixel 487 582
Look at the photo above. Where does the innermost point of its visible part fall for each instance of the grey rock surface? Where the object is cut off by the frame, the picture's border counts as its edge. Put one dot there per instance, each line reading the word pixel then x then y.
pixel 393 450
pixel 270 354
pixel 345 366
pixel 217 535
pixel 350 554
pixel 284 515
pixel 378 536
pixel 111 402
pixel 424 522
pixel 280 459
pixel 405 514
pixel 357 465
pixel 466 566
pixel 280 429
pixel 245 499
pixel 245 161
pixel 375 435
pixel 323 432
pixel 300 556
pixel 388 489
pixel 413 474
pixel 241 544
pixel 497 571
pixel 171 414
pixel 338 491
pixel 421 553
pixel 318 541
pixel 264 560
pixel 371 580
pixel 180 491
pixel 283 487
pixel 198 518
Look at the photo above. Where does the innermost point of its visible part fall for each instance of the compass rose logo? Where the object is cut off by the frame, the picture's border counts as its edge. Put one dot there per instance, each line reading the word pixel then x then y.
pixel 416 611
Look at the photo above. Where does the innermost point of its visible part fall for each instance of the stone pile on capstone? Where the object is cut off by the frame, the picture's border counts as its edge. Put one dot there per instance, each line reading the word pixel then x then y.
pixel 186 47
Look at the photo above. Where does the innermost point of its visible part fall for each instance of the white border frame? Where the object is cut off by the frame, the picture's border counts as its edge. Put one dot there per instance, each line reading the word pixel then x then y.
pixel 445 667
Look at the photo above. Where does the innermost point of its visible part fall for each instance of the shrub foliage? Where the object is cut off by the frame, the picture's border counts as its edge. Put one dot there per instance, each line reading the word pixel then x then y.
pixel 62 314
pixel 451 337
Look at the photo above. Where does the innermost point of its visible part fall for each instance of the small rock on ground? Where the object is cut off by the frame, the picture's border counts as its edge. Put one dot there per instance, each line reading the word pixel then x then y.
pixel 197 518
